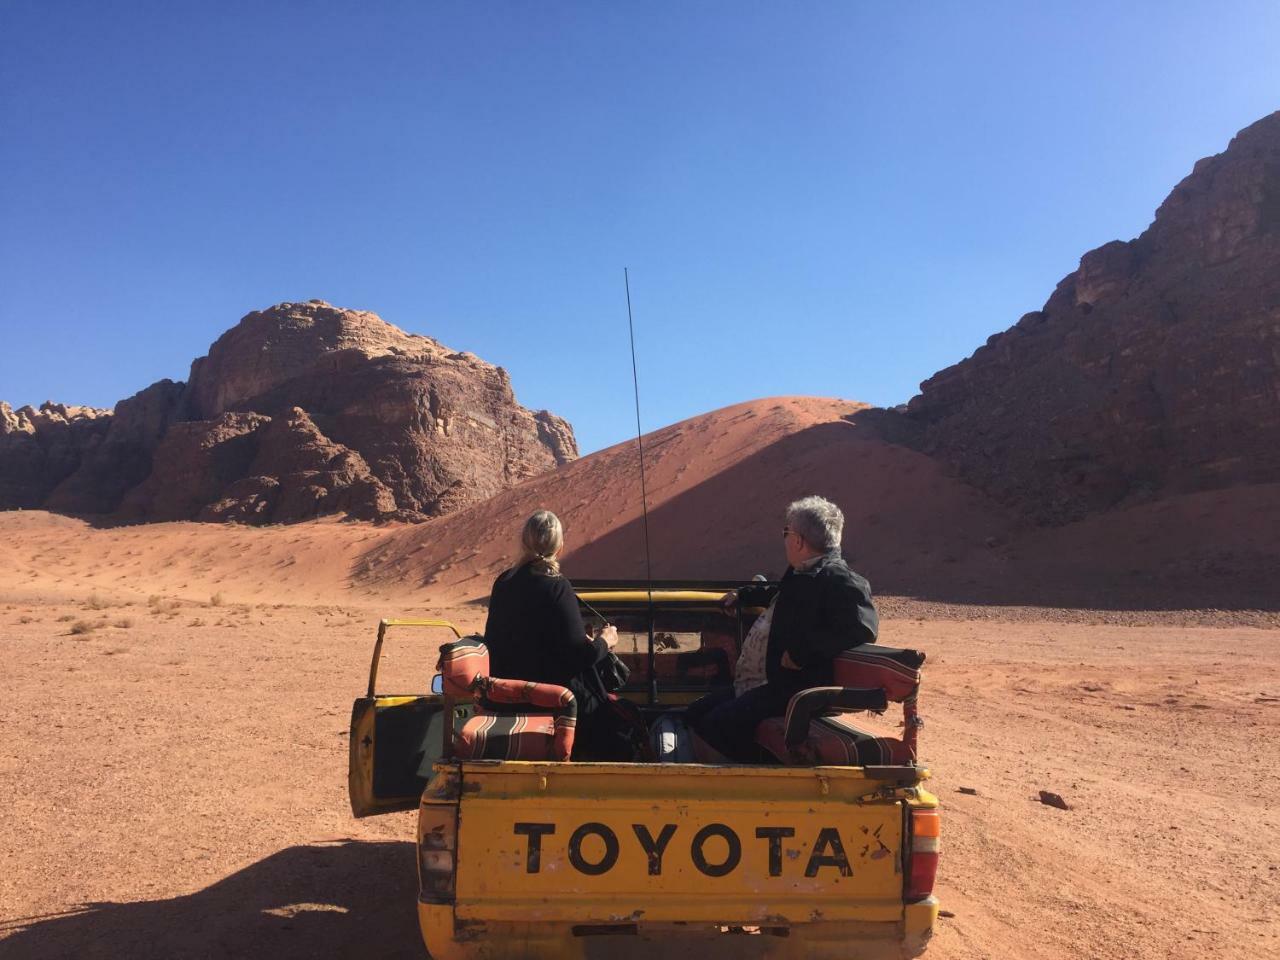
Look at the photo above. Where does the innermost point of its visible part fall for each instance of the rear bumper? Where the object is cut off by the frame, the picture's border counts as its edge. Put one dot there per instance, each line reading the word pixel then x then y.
pixel 447 939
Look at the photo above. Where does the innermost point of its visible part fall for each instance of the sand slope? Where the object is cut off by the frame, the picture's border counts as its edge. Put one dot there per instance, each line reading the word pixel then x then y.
pixel 717 485
pixel 47 557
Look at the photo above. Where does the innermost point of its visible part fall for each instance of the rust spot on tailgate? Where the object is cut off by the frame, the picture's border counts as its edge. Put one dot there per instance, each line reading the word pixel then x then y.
pixel 468 931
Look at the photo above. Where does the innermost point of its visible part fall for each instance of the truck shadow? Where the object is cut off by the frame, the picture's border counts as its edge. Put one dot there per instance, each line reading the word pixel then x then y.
pixel 339 899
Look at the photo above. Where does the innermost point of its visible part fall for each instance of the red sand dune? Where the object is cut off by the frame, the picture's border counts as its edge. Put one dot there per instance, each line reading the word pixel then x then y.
pixel 718 484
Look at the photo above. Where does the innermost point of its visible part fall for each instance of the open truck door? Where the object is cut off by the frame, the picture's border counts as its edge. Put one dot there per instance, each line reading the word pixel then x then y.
pixel 395 738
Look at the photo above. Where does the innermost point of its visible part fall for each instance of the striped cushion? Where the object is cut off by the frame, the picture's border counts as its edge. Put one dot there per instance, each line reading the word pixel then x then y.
pixel 461 662
pixel 835 738
pixel 519 736
pixel 836 741
pixel 871 666
pixel 549 696
pixel 496 732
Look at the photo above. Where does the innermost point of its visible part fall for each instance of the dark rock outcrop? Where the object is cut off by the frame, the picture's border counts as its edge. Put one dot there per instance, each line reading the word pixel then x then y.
pixel 439 429
pixel 298 473
pixel 192 466
pixel 122 459
pixel 39 449
pixel 297 411
pixel 1153 369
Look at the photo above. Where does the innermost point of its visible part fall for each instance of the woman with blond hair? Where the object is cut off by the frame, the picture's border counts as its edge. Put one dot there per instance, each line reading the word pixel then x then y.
pixel 535 632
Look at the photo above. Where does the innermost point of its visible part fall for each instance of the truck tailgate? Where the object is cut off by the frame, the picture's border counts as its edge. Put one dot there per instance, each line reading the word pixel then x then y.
pixel 623 843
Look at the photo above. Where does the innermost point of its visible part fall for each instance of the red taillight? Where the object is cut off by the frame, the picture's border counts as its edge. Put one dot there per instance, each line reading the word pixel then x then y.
pixel 437 846
pixel 922 868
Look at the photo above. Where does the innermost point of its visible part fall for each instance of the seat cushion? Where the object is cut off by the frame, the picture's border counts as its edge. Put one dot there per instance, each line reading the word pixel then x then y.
pixel 496 696
pixel 461 662
pixel 876 667
pixel 833 740
pixel 513 736
pixel 549 695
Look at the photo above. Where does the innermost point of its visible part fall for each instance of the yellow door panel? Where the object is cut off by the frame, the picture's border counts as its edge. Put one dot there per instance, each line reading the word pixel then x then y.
pixel 394 740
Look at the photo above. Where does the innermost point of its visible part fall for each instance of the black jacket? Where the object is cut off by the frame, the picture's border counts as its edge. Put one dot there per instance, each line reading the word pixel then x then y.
pixel 820 611
pixel 535 630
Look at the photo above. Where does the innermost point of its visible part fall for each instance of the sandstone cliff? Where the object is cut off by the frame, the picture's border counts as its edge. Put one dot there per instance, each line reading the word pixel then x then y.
pixel 1153 369
pixel 41 448
pixel 297 411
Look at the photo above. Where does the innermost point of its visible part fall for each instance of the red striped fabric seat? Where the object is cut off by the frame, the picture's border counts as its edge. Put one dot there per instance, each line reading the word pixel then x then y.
pixel 518 736
pixel 870 666
pixel 834 740
pixel 497 732
pixel 834 737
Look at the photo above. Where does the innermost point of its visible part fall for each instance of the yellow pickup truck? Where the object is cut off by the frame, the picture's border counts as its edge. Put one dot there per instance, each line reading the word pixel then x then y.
pixel 804 857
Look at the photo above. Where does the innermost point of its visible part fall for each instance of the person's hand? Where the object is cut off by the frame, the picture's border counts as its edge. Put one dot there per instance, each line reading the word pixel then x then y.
pixel 729 601
pixel 788 663
pixel 610 635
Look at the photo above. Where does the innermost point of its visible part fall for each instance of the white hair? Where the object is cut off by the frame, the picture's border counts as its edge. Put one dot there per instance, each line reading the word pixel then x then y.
pixel 818 521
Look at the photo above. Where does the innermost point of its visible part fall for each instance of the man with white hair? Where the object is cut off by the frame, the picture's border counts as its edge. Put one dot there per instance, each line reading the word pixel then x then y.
pixel 819 608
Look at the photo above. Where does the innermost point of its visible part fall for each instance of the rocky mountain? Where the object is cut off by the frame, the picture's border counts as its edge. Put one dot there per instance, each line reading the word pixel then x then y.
pixel 39 448
pixel 298 411
pixel 1152 370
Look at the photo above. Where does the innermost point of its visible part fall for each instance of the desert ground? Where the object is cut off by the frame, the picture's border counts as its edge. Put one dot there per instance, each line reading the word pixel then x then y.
pixel 175 747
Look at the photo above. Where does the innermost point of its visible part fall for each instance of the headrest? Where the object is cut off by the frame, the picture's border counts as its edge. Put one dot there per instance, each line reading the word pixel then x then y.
pixel 870 665
pixel 461 662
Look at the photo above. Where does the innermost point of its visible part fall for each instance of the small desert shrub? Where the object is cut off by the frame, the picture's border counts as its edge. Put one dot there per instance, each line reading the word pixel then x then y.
pixel 217 600
pixel 124 624
pixel 26 619
pixel 66 618
pixel 81 627
pixel 160 605
pixel 96 602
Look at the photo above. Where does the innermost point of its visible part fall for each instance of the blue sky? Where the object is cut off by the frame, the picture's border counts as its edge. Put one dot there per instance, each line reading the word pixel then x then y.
pixel 822 198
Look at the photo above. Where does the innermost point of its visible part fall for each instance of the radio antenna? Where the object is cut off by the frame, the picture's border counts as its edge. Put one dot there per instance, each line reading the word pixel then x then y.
pixel 644 495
